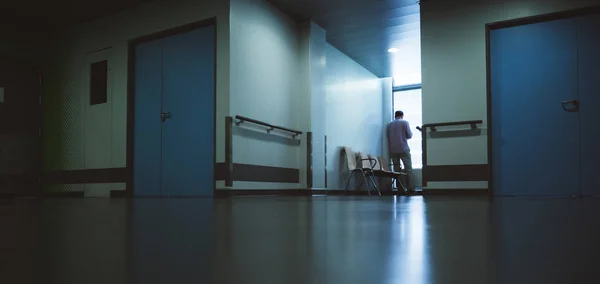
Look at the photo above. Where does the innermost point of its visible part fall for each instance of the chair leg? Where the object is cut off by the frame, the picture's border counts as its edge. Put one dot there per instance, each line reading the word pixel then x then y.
pixel 401 184
pixel 360 184
pixel 375 185
pixel 363 180
pixel 366 184
pixel 348 180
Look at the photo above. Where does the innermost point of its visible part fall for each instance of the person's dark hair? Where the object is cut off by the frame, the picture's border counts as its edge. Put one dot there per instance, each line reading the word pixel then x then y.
pixel 399 113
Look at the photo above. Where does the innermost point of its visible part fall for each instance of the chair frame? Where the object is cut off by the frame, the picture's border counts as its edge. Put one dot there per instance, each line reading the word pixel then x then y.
pixel 365 172
pixel 394 176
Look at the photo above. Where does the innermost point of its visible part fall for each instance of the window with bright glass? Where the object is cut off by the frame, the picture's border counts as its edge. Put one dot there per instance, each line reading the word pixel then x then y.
pixel 409 101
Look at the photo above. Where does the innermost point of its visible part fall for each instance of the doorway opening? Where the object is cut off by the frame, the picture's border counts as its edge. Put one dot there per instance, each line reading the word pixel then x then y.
pixel 410 102
pixel 408 99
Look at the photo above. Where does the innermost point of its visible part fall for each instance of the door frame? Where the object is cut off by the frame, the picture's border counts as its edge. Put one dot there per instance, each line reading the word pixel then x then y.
pixel 132 44
pixel 514 23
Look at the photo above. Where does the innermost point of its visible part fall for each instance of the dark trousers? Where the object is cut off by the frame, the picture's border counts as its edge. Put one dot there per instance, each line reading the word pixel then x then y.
pixel 407 161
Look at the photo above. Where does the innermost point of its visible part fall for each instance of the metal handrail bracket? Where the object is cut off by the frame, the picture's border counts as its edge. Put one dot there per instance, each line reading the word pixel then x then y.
pixel 270 127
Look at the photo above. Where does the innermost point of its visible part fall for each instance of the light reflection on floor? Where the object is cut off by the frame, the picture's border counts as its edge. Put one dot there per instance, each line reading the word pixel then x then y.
pixel 300 240
pixel 408 260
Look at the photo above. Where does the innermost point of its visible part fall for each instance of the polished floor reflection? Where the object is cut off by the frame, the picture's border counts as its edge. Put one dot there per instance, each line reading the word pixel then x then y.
pixel 300 240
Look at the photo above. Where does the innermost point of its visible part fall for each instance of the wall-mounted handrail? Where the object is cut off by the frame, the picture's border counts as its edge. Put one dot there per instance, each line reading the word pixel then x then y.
pixel 432 126
pixel 241 119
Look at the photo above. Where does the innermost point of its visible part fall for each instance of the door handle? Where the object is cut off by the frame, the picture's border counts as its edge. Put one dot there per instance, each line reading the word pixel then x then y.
pixel 570 106
pixel 164 116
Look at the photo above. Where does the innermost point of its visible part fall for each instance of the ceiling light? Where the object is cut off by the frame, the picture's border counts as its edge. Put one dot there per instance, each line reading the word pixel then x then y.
pixel 393 49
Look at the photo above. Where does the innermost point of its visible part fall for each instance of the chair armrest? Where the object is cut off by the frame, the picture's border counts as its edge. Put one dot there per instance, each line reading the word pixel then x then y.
pixel 370 160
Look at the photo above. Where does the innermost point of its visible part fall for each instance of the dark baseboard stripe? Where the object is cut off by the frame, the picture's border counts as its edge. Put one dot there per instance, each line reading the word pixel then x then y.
pixel 341 192
pixel 456 173
pixel 289 192
pixel 14 179
pixel 221 171
pixel 75 194
pixel 108 175
pixel 118 193
pixel 241 172
pixel 354 192
pixel 456 191
pixel 257 173
pixel 258 192
pixel 298 192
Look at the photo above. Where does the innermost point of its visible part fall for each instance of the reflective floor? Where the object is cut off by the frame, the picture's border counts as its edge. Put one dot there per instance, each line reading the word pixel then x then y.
pixel 300 240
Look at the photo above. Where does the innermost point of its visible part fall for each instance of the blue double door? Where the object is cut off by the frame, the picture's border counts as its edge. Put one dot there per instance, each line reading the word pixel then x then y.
pixel 174 115
pixel 545 103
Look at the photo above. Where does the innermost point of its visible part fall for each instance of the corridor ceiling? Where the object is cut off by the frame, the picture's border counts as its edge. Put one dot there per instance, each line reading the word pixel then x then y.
pixel 27 18
pixel 362 29
pixel 366 29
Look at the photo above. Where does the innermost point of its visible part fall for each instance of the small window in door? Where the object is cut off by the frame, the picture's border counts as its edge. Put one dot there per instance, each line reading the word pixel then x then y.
pixel 98 82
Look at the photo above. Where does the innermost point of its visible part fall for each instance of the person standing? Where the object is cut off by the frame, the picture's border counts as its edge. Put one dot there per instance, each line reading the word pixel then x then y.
pixel 398 133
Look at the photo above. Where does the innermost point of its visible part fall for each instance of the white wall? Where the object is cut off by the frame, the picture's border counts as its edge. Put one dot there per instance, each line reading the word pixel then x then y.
pixel 79 136
pixel 454 70
pixel 387 111
pixel 354 111
pixel 318 107
pixel 312 95
pixel 266 85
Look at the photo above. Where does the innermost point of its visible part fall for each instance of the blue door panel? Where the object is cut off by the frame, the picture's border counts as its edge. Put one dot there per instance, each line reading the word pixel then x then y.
pixel 535 143
pixel 189 95
pixel 147 126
